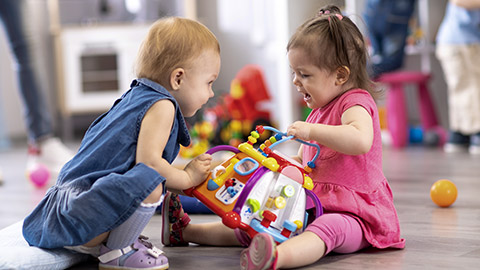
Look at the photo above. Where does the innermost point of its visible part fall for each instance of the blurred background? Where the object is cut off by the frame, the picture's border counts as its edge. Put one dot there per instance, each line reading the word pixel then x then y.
pixel 85 51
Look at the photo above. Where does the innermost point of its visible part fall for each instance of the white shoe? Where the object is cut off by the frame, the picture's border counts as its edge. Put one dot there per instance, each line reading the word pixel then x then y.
pixel 52 153
pixel 453 148
pixel 474 149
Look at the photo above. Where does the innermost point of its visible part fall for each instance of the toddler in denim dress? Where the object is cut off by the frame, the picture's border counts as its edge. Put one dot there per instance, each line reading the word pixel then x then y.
pixel 107 193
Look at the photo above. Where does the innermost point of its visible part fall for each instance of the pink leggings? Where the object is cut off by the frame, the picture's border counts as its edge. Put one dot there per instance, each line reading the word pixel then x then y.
pixel 341 233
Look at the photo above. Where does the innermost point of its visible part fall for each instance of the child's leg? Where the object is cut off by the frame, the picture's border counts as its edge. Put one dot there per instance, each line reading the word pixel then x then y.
pixel 97 240
pixel 153 198
pixel 300 250
pixel 213 234
pixel 125 234
pixel 125 248
pixel 330 232
pixel 177 230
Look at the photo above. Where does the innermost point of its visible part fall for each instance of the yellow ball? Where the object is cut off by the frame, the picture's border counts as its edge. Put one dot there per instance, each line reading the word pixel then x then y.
pixel 443 193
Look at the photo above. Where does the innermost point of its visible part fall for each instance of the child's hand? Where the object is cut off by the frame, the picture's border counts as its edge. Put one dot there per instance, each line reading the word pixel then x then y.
pixel 300 130
pixel 198 169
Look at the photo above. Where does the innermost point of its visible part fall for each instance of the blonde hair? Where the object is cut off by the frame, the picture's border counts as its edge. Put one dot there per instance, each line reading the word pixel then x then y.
pixel 171 43
pixel 334 41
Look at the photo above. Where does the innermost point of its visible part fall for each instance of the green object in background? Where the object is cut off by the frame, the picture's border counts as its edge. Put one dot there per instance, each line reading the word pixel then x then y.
pixel 305 112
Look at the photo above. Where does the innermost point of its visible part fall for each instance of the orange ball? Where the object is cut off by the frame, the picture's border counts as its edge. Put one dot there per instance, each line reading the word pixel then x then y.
pixel 443 193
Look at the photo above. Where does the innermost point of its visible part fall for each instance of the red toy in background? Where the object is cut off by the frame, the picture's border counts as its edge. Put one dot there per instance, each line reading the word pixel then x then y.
pixel 247 91
pixel 235 115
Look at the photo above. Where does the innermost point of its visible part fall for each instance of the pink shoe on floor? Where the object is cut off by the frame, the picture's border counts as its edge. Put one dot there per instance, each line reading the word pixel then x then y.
pixel 140 255
pixel 261 254
pixel 172 223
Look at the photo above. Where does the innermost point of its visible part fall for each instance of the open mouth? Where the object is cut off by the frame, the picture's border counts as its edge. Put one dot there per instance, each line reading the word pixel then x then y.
pixel 307 98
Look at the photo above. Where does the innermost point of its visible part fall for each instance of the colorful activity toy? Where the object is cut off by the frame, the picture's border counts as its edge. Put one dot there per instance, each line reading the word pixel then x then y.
pixel 443 193
pixel 261 190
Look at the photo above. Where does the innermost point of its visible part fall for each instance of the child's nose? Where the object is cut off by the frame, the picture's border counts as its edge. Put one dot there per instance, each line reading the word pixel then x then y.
pixel 295 80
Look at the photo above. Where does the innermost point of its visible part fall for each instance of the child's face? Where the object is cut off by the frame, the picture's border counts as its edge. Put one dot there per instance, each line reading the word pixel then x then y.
pixel 196 87
pixel 318 86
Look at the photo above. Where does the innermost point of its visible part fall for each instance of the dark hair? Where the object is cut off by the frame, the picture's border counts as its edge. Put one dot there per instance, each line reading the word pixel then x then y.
pixel 334 41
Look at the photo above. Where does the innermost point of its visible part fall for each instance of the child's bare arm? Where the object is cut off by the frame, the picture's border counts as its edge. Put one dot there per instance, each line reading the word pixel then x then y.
pixel 353 137
pixel 154 134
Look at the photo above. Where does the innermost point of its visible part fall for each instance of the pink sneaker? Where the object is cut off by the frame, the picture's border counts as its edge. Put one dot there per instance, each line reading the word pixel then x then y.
pixel 172 223
pixel 260 255
pixel 140 255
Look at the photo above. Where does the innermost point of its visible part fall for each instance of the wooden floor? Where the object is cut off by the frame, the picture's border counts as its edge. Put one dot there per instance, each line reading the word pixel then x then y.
pixel 436 238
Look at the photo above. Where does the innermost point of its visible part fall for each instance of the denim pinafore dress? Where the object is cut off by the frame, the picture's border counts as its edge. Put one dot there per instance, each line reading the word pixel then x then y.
pixel 102 185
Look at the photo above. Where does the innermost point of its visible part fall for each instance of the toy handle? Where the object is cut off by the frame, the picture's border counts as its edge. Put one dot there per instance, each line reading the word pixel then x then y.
pixel 316 202
pixel 219 148
pixel 310 163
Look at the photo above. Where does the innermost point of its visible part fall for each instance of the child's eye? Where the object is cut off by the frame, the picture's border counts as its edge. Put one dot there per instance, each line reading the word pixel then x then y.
pixel 304 75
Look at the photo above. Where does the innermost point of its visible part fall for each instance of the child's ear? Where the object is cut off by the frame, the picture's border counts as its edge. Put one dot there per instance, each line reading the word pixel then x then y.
pixel 343 73
pixel 176 78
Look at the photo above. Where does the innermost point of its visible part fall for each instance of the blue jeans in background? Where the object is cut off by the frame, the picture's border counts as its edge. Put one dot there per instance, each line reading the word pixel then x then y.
pixel 14 18
pixel 387 26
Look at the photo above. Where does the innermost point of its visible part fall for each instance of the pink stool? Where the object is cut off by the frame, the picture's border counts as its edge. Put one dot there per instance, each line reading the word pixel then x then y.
pixel 397 116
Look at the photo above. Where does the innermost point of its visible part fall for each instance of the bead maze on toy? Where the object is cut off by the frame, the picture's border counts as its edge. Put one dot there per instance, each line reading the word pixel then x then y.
pixel 261 190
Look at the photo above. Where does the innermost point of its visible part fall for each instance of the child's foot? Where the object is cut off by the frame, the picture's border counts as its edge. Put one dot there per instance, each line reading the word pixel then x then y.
pixel 474 147
pixel 140 255
pixel 261 254
pixel 457 142
pixel 173 222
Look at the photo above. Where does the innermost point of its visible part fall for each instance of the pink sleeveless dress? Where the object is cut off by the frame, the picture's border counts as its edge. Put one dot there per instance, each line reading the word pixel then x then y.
pixel 355 185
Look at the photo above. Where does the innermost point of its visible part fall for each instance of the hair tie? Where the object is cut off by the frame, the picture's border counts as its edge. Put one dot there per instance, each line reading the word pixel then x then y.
pixel 323 12
pixel 339 16
pixel 327 12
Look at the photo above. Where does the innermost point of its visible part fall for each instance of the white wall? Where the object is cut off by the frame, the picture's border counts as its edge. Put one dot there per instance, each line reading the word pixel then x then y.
pixel 247 39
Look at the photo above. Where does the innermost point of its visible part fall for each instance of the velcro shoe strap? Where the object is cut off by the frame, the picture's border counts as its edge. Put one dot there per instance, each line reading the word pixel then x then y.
pixel 113 254
pixel 181 223
pixel 154 251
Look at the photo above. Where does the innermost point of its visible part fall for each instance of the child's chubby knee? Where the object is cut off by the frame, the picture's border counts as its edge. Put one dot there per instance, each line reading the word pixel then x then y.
pixel 155 195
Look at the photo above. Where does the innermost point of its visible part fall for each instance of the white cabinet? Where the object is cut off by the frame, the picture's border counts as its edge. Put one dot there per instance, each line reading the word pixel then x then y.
pixel 96 65
pixel 96 49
